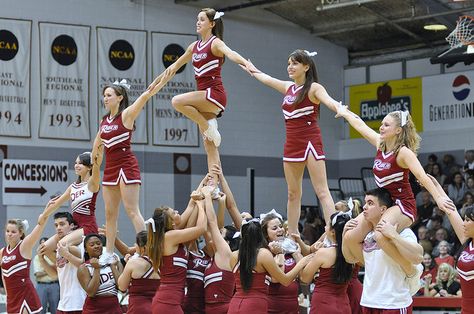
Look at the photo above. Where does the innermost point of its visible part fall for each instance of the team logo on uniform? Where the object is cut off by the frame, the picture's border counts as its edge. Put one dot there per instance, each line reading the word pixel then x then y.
pixel 200 262
pixel 466 257
pixel 171 53
pixel 380 165
pixel 8 45
pixel 109 128
pixel 461 87
pixel 121 55
pixel 199 56
pixel 289 99
pixel 8 259
pixel 64 50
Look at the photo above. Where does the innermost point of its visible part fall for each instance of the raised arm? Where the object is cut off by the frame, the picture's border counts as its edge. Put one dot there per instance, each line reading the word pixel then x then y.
pixel 26 246
pixel 97 155
pixel 57 202
pixel 89 283
pixel 356 122
pixel 319 92
pixel 307 274
pixel 407 159
pixel 355 255
pixel 231 204
pixel 126 276
pixel 279 85
pixel 175 237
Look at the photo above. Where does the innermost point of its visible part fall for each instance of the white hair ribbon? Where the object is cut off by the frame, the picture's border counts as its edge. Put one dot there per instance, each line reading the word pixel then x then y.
pixel 244 222
pixel 403 117
pixel 334 219
pixel 151 221
pixel 350 204
pixel 236 235
pixel 218 15
pixel 311 53
pixel 273 211
pixel 25 224
pixel 122 83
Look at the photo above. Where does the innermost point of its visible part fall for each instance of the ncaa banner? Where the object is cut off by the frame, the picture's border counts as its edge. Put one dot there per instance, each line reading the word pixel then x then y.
pixel 372 102
pixel 64 61
pixel 171 128
pixel 15 47
pixel 121 54
pixel 448 101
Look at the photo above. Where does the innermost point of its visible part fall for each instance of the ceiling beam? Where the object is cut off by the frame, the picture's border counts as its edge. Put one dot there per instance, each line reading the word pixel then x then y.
pixel 252 4
pixel 400 20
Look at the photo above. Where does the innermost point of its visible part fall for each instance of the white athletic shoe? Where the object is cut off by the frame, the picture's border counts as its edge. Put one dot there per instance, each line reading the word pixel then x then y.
pixel 414 281
pixel 107 258
pixel 212 133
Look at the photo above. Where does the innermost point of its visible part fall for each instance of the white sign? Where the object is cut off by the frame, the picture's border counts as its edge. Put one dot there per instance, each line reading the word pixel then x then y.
pixel 33 182
pixel 15 39
pixel 122 55
pixel 448 101
pixel 64 60
pixel 170 127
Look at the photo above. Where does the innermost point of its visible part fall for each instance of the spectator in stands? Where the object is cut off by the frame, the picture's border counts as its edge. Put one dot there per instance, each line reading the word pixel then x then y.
pixel 444 257
pixel 425 210
pixel 449 165
pixel 313 227
pixel 432 159
pixel 435 222
pixel 467 201
pixel 457 189
pixel 445 285
pixel 429 268
pixel 438 174
pixel 424 239
pixel 468 167
pixel 470 184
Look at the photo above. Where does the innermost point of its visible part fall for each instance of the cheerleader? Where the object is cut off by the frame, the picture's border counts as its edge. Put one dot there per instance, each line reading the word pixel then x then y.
pixel 15 263
pixel 168 255
pixel 303 145
pixel 330 292
pixel 139 278
pixel 98 281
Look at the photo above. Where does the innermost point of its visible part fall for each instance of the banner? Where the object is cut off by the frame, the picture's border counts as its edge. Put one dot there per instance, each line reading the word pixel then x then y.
pixel 171 128
pixel 372 102
pixel 15 47
pixel 448 102
pixel 121 54
pixel 64 67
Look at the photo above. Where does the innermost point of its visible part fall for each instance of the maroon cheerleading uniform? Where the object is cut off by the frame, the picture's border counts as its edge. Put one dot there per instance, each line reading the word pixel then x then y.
pixel 21 293
pixel 120 162
pixel 194 299
pixel 465 268
pixel 283 299
pixel 303 135
pixel 207 72
pixel 354 291
pixel 255 299
pixel 141 291
pixel 389 175
pixel 105 299
pixel 170 294
pixel 329 297
pixel 219 286
pixel 83 207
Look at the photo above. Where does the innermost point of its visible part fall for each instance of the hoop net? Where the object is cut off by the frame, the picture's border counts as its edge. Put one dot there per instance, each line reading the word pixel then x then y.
pixel 463 34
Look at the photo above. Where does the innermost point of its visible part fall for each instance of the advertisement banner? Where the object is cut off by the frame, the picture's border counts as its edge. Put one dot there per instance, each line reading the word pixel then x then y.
pixel 372 102
pixel 64 68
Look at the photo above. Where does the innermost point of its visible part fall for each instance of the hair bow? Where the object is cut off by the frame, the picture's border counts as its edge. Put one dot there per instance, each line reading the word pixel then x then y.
pixel 311 54
pixel 151 221
pixel 403 117
pixel 122 83
pixel 25 224
pixel 218 15
pixel 244 222
pixel 273 211
pixel 334 219
pixel 236 235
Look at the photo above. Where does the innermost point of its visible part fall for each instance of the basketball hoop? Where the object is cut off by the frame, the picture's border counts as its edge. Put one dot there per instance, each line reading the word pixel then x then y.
pixel 462 35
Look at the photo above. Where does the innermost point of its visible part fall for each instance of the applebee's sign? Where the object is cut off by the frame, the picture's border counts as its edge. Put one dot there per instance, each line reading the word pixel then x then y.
pixel 371 110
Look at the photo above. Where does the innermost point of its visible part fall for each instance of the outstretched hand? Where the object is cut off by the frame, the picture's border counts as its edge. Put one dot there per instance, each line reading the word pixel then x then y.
pixel 250 68
pixel 155 87
pixel 342 110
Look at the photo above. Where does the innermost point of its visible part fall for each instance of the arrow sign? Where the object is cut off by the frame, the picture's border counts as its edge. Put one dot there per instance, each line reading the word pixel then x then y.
pixel 40 190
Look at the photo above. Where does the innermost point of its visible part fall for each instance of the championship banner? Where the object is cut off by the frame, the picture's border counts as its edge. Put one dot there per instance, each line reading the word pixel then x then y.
pixel 448 102
pixel 171 128
pixel 64 61
pixel 15 47
pixel 121 54
pixel 372 102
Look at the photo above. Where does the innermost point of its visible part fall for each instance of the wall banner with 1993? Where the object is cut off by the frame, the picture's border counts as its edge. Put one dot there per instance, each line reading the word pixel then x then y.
pixel 64 55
